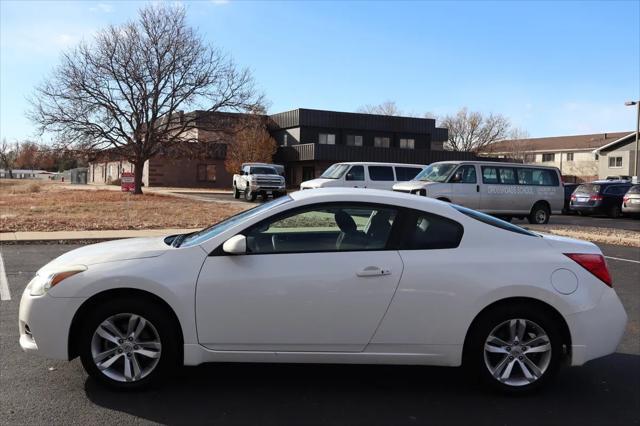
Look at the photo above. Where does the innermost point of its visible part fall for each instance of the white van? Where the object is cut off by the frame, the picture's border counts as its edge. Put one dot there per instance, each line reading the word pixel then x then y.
pixel 506 190
pixel 364 175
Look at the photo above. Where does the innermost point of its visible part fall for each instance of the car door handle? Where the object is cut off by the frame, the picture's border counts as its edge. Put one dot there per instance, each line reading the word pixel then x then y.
pixel 373 271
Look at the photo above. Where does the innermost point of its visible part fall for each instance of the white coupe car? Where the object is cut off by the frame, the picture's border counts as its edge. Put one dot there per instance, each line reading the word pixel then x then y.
pixel 330 276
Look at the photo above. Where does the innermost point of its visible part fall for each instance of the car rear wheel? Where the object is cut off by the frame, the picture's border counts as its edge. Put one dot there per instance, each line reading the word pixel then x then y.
pixel 539 214
pixel 236 192
pixel 615 211
pixel 129 344
pixel 515 349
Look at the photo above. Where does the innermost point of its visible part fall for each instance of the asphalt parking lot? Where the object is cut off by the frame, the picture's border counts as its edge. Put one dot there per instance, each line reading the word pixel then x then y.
pixel 39 391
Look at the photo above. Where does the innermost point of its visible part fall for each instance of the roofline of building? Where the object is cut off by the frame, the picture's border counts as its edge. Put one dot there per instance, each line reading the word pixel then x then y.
pixel 610 144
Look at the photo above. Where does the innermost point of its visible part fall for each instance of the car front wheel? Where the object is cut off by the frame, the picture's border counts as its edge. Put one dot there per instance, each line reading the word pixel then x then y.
pixel 128 344
pixel 516 350
pixel 539 214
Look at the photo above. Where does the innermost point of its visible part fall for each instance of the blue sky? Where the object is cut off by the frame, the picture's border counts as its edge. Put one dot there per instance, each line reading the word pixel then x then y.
pixel 553 68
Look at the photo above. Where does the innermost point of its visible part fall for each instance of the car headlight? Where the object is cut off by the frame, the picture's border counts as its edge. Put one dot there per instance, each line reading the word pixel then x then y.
pixel 40 284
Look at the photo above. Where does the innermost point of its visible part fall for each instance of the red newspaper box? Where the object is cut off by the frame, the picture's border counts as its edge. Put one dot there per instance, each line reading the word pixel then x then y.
pixel 127 182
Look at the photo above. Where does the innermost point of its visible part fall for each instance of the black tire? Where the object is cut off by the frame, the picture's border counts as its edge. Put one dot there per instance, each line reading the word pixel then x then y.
pixel 615 211
pixel 475 360
pixel 539 214
pixel 236 192
pixel 167 330
pixel 249 195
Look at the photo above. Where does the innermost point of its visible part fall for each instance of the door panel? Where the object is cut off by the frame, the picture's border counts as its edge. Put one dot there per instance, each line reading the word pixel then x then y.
pixel 294 302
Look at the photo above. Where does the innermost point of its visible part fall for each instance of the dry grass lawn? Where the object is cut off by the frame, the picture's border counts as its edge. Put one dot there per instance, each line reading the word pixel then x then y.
pixel 46 206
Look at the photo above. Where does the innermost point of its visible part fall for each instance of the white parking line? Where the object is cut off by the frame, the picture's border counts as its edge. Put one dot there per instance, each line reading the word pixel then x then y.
pixel 624 260
pixel 5 294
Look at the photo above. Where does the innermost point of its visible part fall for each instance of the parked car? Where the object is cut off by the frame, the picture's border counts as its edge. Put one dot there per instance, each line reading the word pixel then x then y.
pixel 568 191
pixel 600 197
pixel 631 201
pixel 256 179
pixel 364 175
pixel 504 189
pixel 336 275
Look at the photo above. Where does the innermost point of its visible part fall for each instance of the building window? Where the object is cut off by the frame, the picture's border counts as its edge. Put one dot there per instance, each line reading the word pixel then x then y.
pixel 569 156
pixel 548 157
pixel 206 172
pixel 407 143
pixel 615 162
pixel 529 158
pixel 354 140
pixel 380 142
pixel 327 138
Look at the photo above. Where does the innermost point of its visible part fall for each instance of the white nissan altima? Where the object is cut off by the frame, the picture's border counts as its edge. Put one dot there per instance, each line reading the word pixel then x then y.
pixel 330 276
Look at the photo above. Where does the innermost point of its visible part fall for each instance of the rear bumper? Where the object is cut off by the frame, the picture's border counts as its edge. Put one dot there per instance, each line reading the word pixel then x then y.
pixel 597 331
pixel 631 208
pixel 584 209
pixel 44 323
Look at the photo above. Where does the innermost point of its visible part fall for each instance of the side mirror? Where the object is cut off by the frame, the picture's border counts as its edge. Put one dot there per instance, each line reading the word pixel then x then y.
pixel 349 176
pixel 235 245
pixel 456 178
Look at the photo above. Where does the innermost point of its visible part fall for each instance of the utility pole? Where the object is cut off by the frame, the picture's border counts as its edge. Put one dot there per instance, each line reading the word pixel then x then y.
pixel 635 167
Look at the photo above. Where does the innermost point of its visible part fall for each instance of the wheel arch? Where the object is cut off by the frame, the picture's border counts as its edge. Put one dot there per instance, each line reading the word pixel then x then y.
pixel 543 202
pixel 539 304
pixel 111 294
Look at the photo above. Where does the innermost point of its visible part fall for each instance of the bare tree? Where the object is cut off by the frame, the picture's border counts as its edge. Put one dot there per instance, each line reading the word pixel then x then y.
pixel 127 89
pixel 385 108
pixel 472 131
pixel 251 143
pixel 8 155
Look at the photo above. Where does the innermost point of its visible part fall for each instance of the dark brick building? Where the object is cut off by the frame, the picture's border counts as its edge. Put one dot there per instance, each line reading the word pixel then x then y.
pixel 308 142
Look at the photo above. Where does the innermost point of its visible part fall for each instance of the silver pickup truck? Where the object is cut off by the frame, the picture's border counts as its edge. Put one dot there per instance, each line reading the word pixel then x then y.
pixel 254 179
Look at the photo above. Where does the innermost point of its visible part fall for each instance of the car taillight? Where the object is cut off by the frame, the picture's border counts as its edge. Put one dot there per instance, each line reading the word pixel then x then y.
pixel 573 197
pixel 595 197
pixel 593 263
pixel 626 200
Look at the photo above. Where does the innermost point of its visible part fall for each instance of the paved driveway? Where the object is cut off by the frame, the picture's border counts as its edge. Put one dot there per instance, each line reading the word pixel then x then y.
pixel 36 391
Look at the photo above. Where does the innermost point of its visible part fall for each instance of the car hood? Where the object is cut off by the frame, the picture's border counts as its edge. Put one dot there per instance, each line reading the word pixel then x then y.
pixel 411 185
pixel 317 183
pixel 110 251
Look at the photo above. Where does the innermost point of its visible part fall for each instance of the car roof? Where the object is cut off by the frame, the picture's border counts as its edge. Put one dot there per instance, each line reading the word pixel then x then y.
pixel 372 163
pixel 496 163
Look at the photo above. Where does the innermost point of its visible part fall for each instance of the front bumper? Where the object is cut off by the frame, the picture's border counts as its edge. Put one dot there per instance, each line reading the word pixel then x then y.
pixel 597 331
pixel 260 188
pixel 44 324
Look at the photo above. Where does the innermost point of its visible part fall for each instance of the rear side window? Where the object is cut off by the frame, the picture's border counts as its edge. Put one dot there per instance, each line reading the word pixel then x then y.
pixel 507 176
pixel 537 177
pixel 426 231
pixel 616 190
pixel 406 173
pixel 381 173
pixel 490 220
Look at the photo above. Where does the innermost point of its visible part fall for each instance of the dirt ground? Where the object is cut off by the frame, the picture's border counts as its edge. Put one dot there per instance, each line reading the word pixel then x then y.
pixel 50 206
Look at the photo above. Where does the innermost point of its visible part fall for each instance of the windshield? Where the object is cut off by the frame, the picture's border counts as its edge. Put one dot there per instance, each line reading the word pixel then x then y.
pixel 336 171
pixel 263 171
pixel 436 173
pixel 218 228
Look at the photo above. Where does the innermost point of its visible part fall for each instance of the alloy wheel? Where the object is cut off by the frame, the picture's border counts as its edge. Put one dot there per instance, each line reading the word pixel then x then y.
pixel 517 352
pixel 126 347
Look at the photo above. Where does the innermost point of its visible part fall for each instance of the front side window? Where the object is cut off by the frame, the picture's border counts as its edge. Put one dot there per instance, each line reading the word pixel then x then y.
pixel 336 171
pixel 407 143
pixel 426 231
pixel 549 157
pixel 381 142
pixel 324 228
pixel 615 162
pixel 406 173
pixel 356 173
pixel 464 174
pixel 206 172
pixel 354 140
pixel 327 139
pixel 436 173
pixel 381 173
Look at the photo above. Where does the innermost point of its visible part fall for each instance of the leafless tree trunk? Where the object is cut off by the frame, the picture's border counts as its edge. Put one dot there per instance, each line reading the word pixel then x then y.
pixel 127 89
pixel 8 156
pixel 472 131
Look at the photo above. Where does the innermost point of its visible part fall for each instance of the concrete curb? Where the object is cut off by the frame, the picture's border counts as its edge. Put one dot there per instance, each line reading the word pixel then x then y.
pixel 78 236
